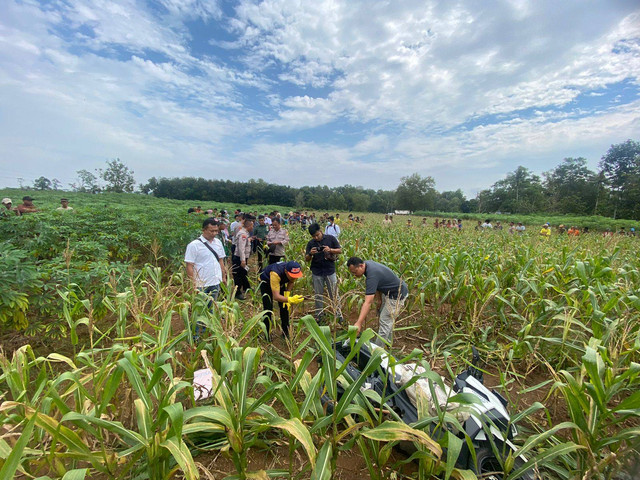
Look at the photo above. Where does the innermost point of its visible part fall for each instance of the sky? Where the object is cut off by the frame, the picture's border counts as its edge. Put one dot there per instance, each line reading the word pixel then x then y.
pixel 321 92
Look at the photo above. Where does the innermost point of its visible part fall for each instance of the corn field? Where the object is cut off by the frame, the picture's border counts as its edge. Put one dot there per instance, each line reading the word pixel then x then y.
pixel 98 355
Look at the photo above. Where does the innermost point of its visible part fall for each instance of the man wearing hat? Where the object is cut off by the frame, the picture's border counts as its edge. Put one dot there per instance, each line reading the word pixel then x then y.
pixel 8 210
pixel 64 205
pixel 545 231
pixel 275 280
pixel 27 206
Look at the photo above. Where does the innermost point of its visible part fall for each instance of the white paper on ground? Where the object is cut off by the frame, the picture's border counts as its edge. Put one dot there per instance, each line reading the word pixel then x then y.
pixel 202 384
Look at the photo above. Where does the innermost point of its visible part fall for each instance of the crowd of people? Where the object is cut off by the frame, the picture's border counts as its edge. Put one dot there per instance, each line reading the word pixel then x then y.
pixel 225 248
pixel 227 243
pixel 264 235
pixel 27 206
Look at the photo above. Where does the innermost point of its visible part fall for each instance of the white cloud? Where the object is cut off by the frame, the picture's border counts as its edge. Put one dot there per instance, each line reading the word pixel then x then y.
pixel 90 80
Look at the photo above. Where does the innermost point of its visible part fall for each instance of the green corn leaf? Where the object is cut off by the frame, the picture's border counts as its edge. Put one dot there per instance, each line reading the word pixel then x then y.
pixel 390 431
pixel 632 402
pixel 145 427
pixel 298 430
pixel 354 387
pixel 176 414
pixel 594 365
pixel 115 427
pixel 183 457
pixel 76 474
pixel 454 445
pixel 12 463
pixel 544 457
pixel 136 381
pixel 322 467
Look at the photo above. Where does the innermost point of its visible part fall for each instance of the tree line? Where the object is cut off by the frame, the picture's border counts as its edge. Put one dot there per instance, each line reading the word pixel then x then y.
pixel 570 188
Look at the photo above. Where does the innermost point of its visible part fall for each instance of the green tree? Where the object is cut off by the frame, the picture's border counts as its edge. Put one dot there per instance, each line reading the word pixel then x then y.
pixel 571 187
pixel 519 192
pixel 360 202
pixel 450 201
pixel 42 183
pixel 87 182
pixel 149 187
pixel 621 169
pixel 337 202
pixel 117 176
pixel 416 193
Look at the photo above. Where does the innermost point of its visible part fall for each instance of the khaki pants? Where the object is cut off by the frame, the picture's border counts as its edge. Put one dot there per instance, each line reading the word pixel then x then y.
pixel 390 310
pixel 330 282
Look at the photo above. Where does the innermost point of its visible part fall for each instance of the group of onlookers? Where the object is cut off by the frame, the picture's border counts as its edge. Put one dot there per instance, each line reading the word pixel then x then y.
pixel 27 206
pixel 513 227
pixel 207 267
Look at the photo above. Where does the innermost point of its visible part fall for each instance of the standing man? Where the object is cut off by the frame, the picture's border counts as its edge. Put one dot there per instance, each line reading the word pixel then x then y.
pixel 8 210
pixel 545 231
pixel 240 258
pixel 275 280
pixel 233 229
pixel 205 263
pixel 27 206
pixel 277 239
pixel 205 260
pixel 332 229
pixel 260 233
pixel 322 251
pixel 384 285
pixel 486 225
pixel 64 206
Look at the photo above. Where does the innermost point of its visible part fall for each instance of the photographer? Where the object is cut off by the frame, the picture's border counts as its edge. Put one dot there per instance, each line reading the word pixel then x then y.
pixel 322 251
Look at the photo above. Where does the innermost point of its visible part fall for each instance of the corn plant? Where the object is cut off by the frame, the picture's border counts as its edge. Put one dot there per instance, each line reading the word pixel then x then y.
pixel 603 403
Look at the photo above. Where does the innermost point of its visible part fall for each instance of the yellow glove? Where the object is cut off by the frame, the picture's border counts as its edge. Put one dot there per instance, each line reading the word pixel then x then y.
pixel 296 299
pixel 287 306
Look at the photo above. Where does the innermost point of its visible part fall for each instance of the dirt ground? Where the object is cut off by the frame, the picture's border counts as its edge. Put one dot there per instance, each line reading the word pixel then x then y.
pixel 350 464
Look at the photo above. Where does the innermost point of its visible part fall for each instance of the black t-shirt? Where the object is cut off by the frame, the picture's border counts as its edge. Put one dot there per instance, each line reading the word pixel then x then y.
pixel 320 266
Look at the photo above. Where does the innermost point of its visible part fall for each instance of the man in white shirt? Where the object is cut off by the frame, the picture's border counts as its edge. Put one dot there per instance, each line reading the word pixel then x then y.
pixel 64 206
pixel 332 229
pixel 204 267
pixel 205 264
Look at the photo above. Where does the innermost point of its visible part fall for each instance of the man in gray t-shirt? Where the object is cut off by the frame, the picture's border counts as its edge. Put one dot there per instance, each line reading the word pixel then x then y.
pixel 391 291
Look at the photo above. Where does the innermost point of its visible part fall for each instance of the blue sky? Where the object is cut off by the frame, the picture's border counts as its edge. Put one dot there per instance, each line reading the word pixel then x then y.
pixel 315 93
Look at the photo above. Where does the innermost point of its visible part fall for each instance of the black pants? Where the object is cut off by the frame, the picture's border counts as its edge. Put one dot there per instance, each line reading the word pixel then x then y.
pixel 258 247
pixel 267 305
pixel 240 277
pixel 275 258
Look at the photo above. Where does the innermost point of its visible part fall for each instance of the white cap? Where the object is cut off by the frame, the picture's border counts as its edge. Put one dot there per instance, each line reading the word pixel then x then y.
pixel 6 200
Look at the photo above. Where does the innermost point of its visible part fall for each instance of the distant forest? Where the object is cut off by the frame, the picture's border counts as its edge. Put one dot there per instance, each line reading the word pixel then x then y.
pixel 570 188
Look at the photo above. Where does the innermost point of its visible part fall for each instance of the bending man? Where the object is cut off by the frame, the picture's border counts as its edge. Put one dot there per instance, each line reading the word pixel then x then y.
pixel 274 281
pixel 390 290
